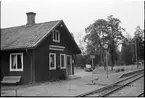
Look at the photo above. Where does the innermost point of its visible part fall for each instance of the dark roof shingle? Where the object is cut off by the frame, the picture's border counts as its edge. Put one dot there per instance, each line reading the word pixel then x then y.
pixel 25 36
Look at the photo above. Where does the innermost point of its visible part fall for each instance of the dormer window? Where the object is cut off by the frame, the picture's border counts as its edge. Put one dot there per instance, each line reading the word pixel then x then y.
pixel 56 36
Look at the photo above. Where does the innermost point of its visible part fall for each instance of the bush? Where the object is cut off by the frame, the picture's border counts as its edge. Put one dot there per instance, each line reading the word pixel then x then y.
pixel 62 77
pixel 122 69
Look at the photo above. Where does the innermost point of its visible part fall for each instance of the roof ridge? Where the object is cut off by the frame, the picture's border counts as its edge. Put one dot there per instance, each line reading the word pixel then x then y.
pixel 26 25
pixel 12 36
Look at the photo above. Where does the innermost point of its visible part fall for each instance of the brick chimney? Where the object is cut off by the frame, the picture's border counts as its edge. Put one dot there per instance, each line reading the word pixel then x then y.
pixel 30 18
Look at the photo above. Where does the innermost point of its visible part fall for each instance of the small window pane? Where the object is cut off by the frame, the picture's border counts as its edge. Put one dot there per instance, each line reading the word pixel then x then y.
pixel 51 60
pixel 13 61
pixel 19 62
pixel 54 35
pixel 57 36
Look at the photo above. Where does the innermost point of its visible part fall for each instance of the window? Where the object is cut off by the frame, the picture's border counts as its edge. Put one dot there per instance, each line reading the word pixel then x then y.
pixel 52 61
pixel 56 36
pixel 62 61
pixel 16 62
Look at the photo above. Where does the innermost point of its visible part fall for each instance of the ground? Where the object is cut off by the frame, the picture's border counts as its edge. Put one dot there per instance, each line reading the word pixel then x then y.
pixel 133 89
pixel 77 84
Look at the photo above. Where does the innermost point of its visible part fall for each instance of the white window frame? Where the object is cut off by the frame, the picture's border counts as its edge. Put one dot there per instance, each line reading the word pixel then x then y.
pixel 64 61
pixel 52 68
pixel 55 33
pixel 57 48
pixel 16 62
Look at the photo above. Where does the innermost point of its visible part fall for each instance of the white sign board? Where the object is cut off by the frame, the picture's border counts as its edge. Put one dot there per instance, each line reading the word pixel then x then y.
pixel 105 46
pixel 92 56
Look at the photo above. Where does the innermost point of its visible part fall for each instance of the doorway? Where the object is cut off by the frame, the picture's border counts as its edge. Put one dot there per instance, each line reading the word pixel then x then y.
pixel 68 64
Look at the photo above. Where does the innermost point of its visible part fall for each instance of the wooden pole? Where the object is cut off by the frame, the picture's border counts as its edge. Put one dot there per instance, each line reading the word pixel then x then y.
pixel 106 59
pixel 92 70
pixel 136 52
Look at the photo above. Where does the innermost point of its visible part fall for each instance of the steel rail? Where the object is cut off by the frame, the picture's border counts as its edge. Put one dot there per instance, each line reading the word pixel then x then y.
pixel 108 87
pixel 141 95
pixel 118 88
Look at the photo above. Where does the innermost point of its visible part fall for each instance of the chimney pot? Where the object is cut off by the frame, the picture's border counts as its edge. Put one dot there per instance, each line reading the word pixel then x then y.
pixel 30 18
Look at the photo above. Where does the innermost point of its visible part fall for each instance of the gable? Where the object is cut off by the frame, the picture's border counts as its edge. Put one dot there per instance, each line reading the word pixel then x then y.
pixel 67 38
pixel 72 43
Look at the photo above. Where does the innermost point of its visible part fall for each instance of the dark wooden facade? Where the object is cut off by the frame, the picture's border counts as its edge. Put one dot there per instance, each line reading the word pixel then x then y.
pixel 36 60
pixel 27 61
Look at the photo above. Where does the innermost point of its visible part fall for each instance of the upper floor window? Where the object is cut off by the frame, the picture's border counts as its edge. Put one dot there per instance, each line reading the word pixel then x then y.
pixel 16 62
pixel 56 36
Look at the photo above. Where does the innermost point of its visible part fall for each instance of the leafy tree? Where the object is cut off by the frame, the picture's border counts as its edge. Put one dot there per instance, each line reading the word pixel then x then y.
pixel 132 46
pixel 126 54
pixel 80 60
pixel 139 42
pixel 103 32
pixel 72 34
pixel 118 57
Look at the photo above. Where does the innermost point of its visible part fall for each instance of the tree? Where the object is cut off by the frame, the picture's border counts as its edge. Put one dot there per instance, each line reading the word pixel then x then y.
pixel 139 42
pixel 133 48
pixel 103 32
pixel 127 56
pixel 80 60
pixel 72 35
pixel 126 53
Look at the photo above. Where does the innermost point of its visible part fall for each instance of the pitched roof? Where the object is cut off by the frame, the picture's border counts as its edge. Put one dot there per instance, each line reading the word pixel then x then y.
pixel 25 36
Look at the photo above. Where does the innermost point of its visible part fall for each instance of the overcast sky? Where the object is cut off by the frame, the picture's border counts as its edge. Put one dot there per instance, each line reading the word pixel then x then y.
pixel 77 14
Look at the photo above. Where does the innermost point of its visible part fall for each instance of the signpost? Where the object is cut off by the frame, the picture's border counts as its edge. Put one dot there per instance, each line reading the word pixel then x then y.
pixel 106 58
pixel 92 57
pixel 136 52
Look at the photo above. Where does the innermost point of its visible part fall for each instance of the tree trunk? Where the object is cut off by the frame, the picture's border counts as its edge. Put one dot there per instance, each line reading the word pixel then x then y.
pixel 111 67
pixel 103 61
pixel 104 65
pixel 112 61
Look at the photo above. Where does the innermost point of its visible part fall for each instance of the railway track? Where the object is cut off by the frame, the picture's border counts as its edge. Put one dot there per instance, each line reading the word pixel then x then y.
pixel 107 90
pixel 141 94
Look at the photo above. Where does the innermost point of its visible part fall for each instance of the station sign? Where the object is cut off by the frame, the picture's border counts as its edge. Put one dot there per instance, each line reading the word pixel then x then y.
pixel 92 56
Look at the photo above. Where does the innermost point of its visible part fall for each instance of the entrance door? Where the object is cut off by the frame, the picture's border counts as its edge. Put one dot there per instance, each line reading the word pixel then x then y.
pixel 69 64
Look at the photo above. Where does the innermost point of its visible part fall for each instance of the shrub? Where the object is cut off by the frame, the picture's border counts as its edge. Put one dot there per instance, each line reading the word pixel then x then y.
pixel 122 69
pixel 62 77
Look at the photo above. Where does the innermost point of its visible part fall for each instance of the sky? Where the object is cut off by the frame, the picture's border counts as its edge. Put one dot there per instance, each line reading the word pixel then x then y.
pixel 76 14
